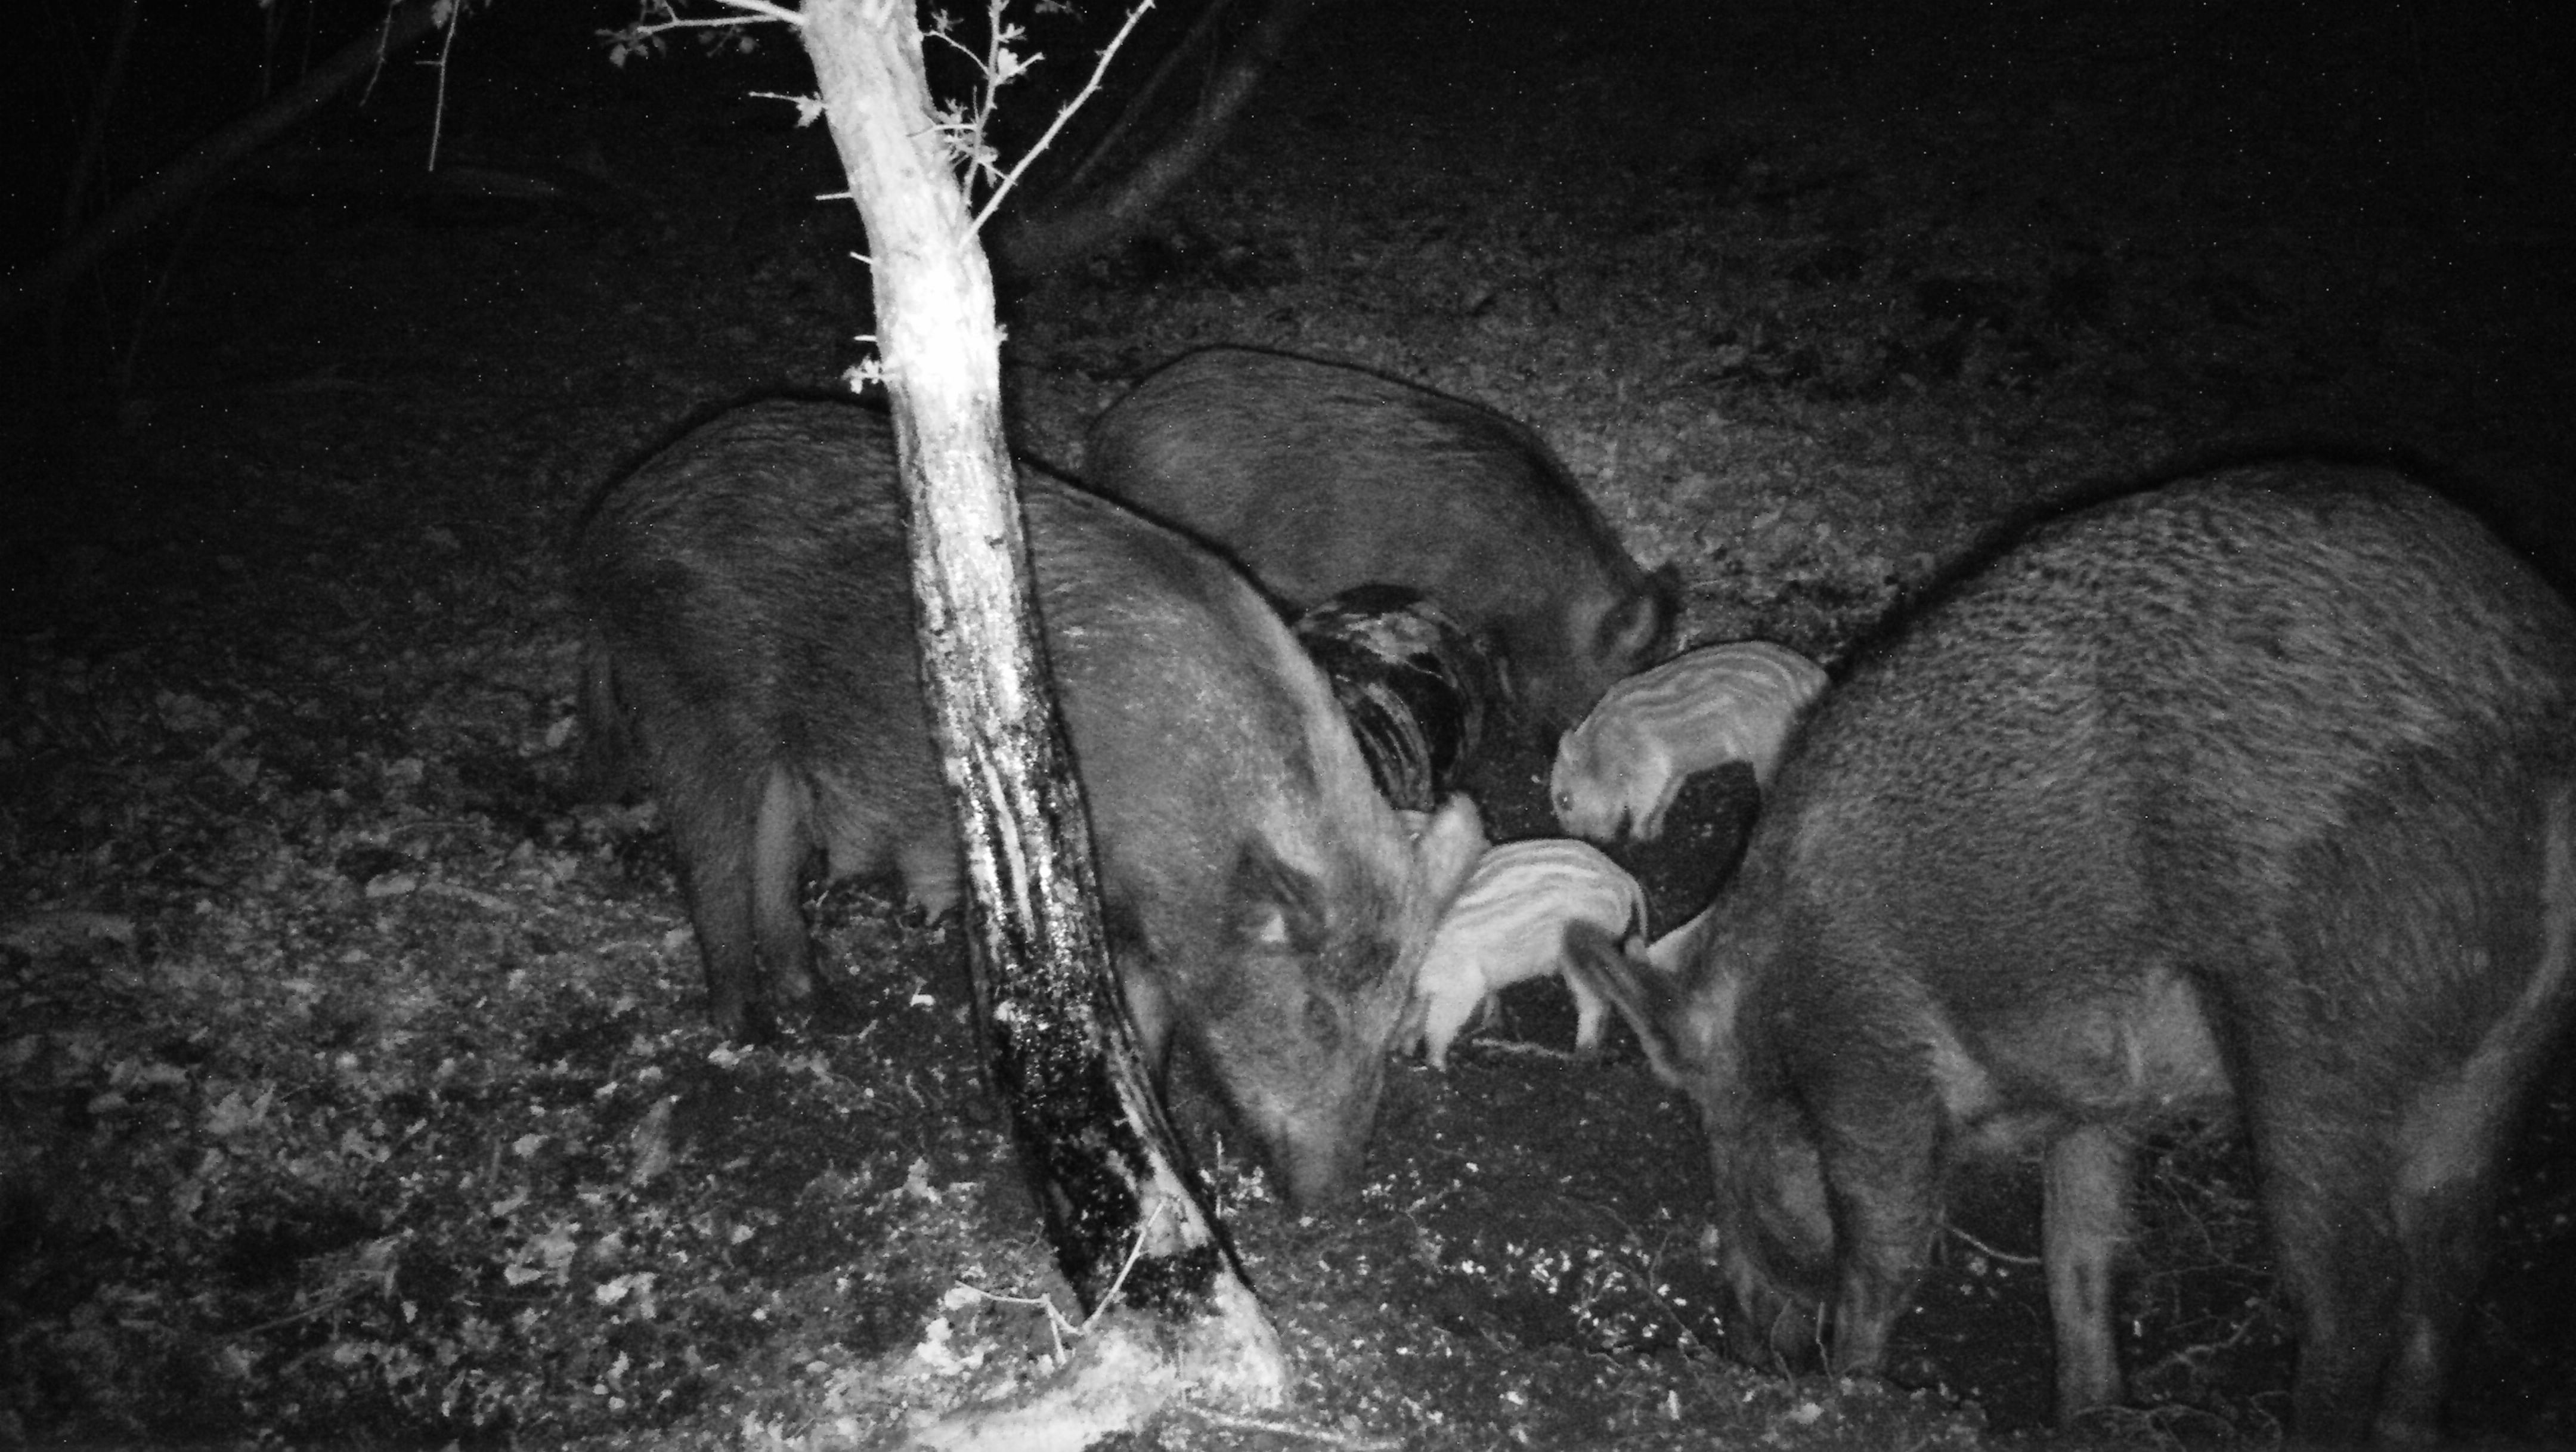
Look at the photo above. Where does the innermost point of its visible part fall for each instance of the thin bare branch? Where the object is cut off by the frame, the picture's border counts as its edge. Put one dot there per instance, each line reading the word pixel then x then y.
pixel 213 159
pixel 1027 246
pixel 438 108
pixel 85 165
pixel 1235 1421
pixel 1135 1253
pixel 755 12
pixel 1089 88
pixel 1201 31
pixel 1988 1251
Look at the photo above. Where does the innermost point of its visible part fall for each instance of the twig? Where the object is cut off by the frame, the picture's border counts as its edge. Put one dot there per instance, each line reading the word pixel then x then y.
pixel 2194 1356
pixel 1988 1251
pixel 1057 1325
pixel 1642 1263
pixel 1240 1423
pixel 307 1314
pixel 998 66
pixel 754 11
pixel 1135 1252
pixel 1145 94
pixel 1089 88
pixel 1524 1048
pixel 212 160
pixel 489 902
pixel 438 107
pixel 86 169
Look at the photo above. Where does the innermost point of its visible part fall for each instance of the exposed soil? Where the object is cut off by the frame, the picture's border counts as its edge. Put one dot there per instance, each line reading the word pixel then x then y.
pixel 356 1083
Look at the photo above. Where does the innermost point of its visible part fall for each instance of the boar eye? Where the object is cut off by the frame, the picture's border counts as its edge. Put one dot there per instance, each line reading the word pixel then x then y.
pixel 1279 908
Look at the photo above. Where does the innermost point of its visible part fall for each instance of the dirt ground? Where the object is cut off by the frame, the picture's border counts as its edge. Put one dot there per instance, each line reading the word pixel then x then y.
pixel 357 1087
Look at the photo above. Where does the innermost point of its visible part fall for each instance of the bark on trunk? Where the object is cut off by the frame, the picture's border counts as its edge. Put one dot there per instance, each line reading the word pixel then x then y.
pixel 1088 1124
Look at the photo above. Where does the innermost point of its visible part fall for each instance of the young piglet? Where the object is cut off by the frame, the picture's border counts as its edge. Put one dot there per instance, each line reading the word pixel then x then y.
pixel 1701 709
pixel 1508 925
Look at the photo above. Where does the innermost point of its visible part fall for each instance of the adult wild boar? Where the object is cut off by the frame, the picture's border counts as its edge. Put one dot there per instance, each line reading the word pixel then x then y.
pixel 1318 478
pixel 2258 788
pixel 751 639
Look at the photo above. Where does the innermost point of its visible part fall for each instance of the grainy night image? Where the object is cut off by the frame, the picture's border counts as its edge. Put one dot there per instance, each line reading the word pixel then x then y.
pixel 478 958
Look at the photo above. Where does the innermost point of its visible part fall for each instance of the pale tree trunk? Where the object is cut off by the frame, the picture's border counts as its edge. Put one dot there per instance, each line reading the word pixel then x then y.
pixel 1087 1121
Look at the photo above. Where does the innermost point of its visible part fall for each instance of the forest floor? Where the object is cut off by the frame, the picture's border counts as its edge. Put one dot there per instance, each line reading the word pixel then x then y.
pixel 355 1087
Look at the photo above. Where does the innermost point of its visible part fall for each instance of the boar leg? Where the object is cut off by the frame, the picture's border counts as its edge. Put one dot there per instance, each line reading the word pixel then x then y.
pixel 1881 1168
pixel 713 824
pixel 780 846
pixel 866 829
pixel 932 877
pixel 2084 1208
pixel 2326 1186
pixel 2445 1213
pixel 2450 1141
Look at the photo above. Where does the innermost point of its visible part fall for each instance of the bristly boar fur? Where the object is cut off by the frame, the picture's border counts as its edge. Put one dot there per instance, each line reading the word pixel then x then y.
pixel 1318 478
pixel 2256 788
pixel 753 661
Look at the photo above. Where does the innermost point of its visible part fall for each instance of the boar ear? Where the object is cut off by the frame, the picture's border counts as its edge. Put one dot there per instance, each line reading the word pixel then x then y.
pixel 1657 1005
pixel 1641 628
pixel 1510 678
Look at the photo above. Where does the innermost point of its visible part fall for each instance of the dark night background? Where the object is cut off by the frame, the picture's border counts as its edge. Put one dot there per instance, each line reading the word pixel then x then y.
pixel 357 1089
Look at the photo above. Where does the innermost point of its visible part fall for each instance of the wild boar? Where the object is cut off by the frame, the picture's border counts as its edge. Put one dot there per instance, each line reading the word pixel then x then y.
pixel 1318 478
pixel 2255 789
pixel 751 637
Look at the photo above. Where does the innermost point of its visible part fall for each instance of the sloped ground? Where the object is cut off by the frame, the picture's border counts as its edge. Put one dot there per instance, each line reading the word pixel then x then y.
pixel 356 1086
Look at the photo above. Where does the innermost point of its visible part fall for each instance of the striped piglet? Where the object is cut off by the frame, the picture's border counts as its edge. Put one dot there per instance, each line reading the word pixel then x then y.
pixel 1507 925
pixel 1627 761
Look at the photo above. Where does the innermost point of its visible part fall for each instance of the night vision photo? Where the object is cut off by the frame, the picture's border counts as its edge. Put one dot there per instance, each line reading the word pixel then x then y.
pixel 1248 725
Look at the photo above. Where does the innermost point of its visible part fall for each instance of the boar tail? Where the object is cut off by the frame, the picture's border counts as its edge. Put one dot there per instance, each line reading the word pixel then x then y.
pixel 1679 1027
pixel 606 767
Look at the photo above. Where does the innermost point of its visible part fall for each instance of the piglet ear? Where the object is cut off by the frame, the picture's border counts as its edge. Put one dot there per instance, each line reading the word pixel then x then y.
pixel 1660 1006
